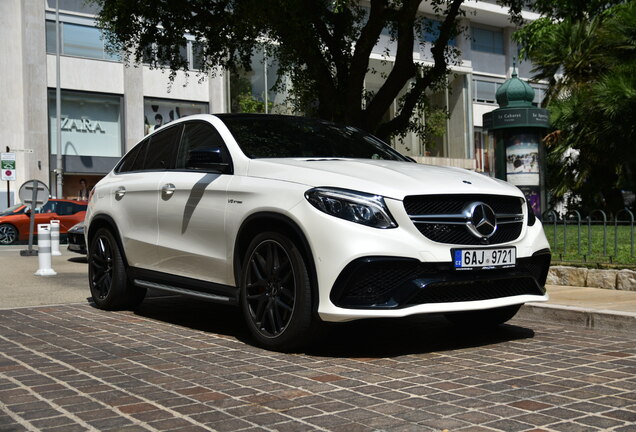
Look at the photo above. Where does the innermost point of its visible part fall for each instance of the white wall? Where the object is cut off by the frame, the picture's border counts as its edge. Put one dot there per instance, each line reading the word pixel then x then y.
pixel 86 75
pixel 11 89
pixel 479 110
pixel 184 87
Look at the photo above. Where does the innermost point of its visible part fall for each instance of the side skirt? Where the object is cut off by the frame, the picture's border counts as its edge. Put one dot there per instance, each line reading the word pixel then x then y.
pixel 209 291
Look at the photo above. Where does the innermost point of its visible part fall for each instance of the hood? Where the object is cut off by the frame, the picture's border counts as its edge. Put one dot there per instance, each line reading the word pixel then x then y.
pixel 391 179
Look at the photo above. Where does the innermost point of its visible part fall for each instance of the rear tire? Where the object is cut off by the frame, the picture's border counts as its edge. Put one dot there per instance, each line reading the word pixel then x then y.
pixel 483 318
pixel 109 284
pixel 275 292
pixel 8 234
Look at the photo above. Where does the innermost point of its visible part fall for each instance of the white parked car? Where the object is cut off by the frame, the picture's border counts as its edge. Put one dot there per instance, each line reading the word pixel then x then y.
pixel 298 220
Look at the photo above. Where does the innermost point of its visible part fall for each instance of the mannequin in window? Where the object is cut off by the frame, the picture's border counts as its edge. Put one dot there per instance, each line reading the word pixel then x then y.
pixel 83 192
pixel 158 122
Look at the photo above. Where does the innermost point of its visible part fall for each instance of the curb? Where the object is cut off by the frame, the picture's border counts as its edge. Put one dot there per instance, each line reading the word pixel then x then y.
pixel 580 317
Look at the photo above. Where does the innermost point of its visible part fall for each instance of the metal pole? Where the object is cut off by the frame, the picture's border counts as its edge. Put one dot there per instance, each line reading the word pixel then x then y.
pixel 34 195
pixel 265 80
pixel 58 105
pixel 8 188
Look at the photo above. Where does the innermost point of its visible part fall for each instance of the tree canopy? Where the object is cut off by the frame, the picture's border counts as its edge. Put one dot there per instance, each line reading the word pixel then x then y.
pixel 590 63
pixel 322 46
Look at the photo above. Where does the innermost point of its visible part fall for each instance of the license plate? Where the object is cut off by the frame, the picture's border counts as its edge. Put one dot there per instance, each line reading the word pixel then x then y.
pixel 465 259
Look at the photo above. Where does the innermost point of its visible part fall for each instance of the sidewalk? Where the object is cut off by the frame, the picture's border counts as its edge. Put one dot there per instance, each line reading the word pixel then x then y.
pixel 20 287
pixel 583 307
pixel 595 308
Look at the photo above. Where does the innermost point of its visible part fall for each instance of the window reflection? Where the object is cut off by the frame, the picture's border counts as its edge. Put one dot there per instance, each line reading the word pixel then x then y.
pixel 79 40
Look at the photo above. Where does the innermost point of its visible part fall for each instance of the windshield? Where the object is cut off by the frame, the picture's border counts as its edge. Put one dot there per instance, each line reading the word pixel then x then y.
pixel 272 136
pixel 12 210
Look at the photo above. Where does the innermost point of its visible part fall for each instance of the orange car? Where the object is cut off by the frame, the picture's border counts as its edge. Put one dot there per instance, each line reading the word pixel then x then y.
pixel 14 221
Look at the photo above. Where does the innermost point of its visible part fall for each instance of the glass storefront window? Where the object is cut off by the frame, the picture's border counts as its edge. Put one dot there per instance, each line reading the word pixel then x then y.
pixel 484 152
pixel 158 112
pixel 91 124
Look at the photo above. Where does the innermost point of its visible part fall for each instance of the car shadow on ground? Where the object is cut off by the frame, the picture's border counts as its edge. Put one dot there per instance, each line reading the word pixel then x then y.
pixel 375 338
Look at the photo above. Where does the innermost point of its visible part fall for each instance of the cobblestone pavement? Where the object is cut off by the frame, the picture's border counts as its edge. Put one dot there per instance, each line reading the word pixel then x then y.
pixel 179 365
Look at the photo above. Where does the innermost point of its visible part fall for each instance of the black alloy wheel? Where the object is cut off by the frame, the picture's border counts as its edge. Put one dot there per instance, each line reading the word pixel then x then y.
pixel 8 234
pixel 275 292
pixel 108 280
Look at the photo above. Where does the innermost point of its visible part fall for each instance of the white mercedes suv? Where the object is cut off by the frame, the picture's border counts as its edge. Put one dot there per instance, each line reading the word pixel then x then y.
pixel 299 221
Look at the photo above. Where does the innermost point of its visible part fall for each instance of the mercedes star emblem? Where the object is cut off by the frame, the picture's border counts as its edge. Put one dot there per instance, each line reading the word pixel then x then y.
pixel 482 221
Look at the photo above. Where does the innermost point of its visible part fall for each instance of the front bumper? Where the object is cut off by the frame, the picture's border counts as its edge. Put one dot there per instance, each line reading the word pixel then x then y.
pixel 390 283
pixel 388 286
pixel 76 242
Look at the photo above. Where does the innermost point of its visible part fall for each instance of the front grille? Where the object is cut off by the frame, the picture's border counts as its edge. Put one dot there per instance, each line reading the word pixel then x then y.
pixel 461 291
pixel 459 234
pixel 386 283
pixel 441 218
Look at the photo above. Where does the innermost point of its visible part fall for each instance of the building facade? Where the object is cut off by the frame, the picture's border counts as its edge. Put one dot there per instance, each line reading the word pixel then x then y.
pixel 107 106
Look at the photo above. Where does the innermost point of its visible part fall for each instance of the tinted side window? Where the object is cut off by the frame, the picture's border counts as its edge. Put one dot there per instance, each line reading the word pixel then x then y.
pixel 78 208
pixel 163 149
pixel 138 163
pixel 128 161
pixel 65 208
pixel 49 207
pixel 199 140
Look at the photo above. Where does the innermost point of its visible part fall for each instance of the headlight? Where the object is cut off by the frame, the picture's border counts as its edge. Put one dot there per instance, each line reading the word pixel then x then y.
pixel 358 207
pixel 77 228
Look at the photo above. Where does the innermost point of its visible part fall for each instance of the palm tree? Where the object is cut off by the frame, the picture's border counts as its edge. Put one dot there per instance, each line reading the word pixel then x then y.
pixel 591 67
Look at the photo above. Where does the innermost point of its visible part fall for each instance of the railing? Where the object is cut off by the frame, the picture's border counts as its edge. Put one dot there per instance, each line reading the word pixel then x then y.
pixel 566 236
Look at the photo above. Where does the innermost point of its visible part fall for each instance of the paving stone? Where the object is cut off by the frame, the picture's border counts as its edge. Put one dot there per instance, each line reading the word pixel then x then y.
pixel 599 422
pixel 509 425
pixel 149 370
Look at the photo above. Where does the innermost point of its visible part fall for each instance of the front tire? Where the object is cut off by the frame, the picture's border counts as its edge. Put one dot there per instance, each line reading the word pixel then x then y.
pixel 275 292
pixel 483 318
pixel 109 284
pixel 8 234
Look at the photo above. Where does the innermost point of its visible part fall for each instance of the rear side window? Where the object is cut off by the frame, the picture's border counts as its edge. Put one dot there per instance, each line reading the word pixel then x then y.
pixel 162 150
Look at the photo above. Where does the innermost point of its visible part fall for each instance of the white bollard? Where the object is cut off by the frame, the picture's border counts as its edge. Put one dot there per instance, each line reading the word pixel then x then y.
pixel 44 251
pixel 55 238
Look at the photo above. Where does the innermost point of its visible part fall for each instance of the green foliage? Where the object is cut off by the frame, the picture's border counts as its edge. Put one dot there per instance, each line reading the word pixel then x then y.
pixel 596 247
pixel 242 99
pixel 558 10
pixel 591 65
pixel 323 47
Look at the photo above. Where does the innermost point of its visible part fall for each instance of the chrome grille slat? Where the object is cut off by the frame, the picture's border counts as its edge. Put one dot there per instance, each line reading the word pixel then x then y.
pixel 444 219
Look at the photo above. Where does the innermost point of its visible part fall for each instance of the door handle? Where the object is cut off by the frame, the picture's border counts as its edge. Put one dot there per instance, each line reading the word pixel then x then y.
pixel 167 191
pixel 120 192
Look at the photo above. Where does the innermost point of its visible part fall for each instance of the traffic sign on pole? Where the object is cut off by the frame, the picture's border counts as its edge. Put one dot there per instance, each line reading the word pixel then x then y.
pixel 7 165
pixel 35 194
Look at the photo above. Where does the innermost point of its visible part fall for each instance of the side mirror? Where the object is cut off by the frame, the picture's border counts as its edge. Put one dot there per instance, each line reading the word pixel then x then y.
pixel 207 159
